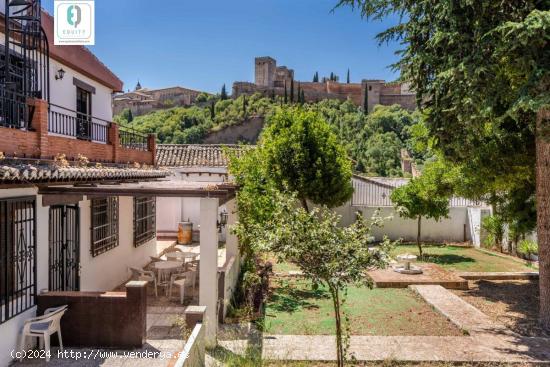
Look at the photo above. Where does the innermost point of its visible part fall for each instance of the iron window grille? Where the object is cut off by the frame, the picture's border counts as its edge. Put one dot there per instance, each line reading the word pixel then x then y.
pixel 17 256
pixel 144 219
pixel 104 225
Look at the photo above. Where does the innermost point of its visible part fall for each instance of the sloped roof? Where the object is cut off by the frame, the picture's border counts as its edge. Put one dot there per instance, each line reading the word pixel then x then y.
pixel 196 155
pixel 27 173
pixel 80 58
pixel 376 192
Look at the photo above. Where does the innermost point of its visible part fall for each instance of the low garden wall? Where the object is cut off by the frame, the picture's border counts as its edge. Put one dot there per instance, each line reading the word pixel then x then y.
pixel 101 319
pixel 193 354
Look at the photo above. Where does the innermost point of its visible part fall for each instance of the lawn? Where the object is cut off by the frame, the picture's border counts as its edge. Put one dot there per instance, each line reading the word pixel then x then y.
pixel 461 258
pixel 295 308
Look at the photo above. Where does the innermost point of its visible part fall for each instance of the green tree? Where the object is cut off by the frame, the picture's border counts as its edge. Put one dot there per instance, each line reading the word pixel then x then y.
pixel 244 106
pixel 303 155
pixel 223 94
pixel 366 100
pixel 328 254
pixel 316 77
pixel 291 90
pixel 286 95
pixel 347 78
pixel 482 75
pixel 424 197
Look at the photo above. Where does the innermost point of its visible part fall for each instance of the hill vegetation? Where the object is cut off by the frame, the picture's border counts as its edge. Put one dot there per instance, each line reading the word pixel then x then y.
pixel 374 141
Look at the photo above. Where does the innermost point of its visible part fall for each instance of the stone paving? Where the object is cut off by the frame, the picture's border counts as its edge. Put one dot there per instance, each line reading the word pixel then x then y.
pixel 164 341
pixel 484 341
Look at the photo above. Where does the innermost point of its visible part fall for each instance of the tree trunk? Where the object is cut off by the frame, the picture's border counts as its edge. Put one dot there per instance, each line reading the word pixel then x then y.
pixel 338 321
pixel 418 236
pixel 304 204
pixel 543 215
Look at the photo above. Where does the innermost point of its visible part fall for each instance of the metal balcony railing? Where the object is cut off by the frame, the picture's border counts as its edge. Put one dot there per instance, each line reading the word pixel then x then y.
pixel 64 121
pixel 132 139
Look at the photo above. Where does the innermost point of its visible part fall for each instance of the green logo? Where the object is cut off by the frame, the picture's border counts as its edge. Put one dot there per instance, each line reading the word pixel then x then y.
pixel 74 15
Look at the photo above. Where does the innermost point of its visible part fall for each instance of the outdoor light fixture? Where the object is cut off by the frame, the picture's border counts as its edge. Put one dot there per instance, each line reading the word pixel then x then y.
pixel 223 220
pixel 60 74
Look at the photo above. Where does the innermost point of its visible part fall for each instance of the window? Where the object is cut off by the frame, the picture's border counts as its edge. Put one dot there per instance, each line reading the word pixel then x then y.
pixel 83 114
pixel 17 256
pixel 144 219
pixel 104 225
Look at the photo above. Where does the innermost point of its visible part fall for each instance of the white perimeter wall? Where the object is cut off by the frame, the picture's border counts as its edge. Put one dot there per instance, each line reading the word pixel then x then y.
pixel 110 269
pixel 449 230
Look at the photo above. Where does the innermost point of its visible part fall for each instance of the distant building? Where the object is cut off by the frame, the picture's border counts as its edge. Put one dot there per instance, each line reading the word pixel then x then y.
pixel 271 80
pixel 143 100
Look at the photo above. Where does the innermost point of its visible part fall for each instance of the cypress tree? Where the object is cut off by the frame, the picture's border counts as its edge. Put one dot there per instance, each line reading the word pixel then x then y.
pixel 223 95
pixel 130 116
pixel 348 77
pixel 291 90
pixel 286 94
pixel 316 77
pixel 303 97
pixel 244 105
pixel 212 110
pixel 299 95
pixel 366 101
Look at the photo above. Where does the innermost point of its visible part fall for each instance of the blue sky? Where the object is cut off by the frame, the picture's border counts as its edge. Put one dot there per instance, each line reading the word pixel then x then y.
pixel 204 44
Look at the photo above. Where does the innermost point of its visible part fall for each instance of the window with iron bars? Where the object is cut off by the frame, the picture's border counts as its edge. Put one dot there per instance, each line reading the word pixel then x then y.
pixel 104 225
pixel 144 219
pixel 17 256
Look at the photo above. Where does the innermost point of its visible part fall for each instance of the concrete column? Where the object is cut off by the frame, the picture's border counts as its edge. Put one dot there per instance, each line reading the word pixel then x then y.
pixel 208 285
pixel 231 241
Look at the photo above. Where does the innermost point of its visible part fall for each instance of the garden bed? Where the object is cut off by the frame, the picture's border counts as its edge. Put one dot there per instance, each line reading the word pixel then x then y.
pixel 512 303
pixel 463 258
pixel 294 308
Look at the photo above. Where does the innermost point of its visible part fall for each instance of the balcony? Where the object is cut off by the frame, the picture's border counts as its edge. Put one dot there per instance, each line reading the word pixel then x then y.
pixel 32 128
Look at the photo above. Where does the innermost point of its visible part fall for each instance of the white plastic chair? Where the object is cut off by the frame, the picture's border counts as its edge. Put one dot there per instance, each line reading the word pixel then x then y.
pixel 43 327
pixel 145 275
pixel 182 280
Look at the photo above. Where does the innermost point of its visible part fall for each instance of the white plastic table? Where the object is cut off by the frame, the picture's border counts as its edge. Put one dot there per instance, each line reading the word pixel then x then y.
pixel 167 265
pixel 182 255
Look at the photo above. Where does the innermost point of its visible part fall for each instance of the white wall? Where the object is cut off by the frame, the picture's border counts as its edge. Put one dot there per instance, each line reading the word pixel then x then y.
pixel 9 330
pixel 171 211
pixel 63 92
pixel 110 269
pixel 450 229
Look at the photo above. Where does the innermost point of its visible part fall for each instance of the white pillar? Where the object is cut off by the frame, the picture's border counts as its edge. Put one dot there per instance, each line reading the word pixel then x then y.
pixel 208 285
pixel 231 242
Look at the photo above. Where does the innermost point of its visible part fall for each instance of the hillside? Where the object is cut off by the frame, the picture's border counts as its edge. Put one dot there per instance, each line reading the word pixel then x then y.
pixel 373 141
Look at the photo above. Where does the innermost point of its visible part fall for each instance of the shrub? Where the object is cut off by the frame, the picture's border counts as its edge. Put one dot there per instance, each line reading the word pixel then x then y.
pixel 528 248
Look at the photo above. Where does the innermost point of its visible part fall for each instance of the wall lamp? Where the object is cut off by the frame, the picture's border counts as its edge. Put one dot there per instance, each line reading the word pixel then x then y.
pixel 60 74
pixel 223 220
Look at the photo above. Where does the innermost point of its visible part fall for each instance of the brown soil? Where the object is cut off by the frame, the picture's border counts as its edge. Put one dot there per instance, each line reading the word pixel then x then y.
pixel 511 303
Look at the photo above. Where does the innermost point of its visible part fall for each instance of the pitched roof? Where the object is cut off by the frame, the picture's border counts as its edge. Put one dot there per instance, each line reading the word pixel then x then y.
pixel 80 58
pixel 376 192
pixel 196 155
pixel 27 173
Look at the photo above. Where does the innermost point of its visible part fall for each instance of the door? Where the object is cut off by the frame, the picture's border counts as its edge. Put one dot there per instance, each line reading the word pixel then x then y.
pixel 83 114
pixel 64 258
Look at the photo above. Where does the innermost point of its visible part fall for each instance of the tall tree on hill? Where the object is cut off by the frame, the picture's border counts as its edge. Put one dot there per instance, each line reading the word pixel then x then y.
pixel 244 106
pixel 303 97
pixel 223 95
pixel 482 77
pixel 212 110
pixel 331 78
pixel 347 78
pixel 316 77
pixel 366 100
pixel 291 90
pixel 286 94
pixel 299 94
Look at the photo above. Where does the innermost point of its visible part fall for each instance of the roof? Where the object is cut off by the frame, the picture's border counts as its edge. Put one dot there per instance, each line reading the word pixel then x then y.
pixel 80 58
pixel 376 192
pixel 196 155
pixel 27 173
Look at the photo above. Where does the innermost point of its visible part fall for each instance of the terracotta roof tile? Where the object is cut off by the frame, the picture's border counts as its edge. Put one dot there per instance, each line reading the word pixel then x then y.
pixel 23 173
pixel 195 155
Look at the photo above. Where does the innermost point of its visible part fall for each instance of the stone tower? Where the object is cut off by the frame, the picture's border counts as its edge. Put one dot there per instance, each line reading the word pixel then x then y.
pixel 265 71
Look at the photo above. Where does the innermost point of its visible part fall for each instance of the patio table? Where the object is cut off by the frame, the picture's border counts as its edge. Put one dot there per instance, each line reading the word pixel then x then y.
pixel 167 265
pixel 182 255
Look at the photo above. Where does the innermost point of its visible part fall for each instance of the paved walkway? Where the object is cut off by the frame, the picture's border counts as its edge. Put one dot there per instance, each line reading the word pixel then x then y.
pixel 164 340
pixel 484 341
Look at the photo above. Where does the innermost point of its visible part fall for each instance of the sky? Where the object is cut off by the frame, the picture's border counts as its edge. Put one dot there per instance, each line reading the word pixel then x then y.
pixel 205 44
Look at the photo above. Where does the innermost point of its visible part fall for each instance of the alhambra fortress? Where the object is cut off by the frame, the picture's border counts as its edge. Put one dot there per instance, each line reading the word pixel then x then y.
pixel 271 79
